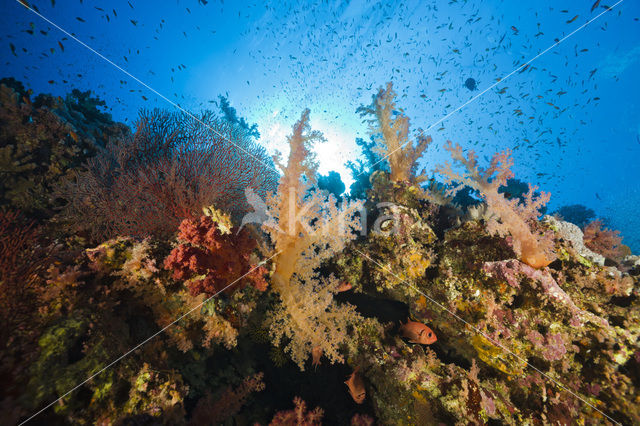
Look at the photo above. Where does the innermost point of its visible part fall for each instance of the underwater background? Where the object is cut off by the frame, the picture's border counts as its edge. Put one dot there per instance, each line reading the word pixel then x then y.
pixel 137 288
pixel 274 59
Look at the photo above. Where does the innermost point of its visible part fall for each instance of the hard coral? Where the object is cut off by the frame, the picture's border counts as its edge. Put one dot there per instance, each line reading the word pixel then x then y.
pixel 209 248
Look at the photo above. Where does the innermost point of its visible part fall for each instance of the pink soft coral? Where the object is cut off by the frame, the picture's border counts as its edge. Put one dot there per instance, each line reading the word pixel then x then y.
pixel 603 241
pixel 299 416
pixel 512 216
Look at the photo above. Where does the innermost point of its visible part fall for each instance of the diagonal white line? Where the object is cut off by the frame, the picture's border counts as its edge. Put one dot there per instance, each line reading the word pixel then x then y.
pixel 487 337
pixel 146 340
pixel 502 79
pixel 144 84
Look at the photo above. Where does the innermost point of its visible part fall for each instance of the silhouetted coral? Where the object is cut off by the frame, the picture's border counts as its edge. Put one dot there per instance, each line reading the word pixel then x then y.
pixel 174 165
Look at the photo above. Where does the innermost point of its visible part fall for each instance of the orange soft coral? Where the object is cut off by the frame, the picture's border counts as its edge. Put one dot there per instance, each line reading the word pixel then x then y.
pixel 307 228
pixel 512 217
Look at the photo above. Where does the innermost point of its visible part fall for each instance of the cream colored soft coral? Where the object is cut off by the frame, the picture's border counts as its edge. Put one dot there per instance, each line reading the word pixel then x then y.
pixel 390 130
pixel 307 228
pixel 511 216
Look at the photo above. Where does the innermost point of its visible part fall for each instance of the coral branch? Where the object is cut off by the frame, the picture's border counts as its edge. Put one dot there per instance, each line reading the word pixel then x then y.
pixel 390 129
pixel 514 217
pixel 307 229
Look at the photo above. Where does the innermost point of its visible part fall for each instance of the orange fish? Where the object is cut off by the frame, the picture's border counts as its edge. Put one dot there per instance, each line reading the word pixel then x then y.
pixel 417 332
pixel 356 387
pixel 73 135
pixel 344 286
pixel 316 354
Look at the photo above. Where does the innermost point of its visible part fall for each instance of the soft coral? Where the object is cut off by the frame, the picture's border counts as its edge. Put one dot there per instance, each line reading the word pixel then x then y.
pixel 512 217
pixel 209 248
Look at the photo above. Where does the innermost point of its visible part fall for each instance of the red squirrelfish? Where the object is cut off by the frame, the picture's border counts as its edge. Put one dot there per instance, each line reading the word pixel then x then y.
pixel 356 387
pixel 417 332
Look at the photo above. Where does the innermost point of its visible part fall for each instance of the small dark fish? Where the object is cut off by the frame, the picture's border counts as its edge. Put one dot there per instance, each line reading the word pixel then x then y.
pixel 61 46
pixel 592 72
pixel 595 5
pixel 572 19
pixel 130 4
pixel 13 49
pixel 80 19
pixel 144 97
pixel 514 29
pixel 135 23
pixel 471 84
pixel 598 196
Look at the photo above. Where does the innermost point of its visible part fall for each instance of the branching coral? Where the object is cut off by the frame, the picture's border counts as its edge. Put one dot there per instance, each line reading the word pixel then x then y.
pixel 604 241
pixel 173 166
pixel 306 229
pixel 514 217
pixel 390 128
pixel 21 262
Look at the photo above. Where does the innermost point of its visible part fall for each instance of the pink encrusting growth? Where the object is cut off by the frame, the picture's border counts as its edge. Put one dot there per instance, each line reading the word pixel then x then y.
pixel 512 217
pixel 515 273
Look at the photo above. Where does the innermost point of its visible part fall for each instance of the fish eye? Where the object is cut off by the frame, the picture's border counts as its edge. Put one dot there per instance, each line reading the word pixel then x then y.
pixel 386 225
pixel 429 334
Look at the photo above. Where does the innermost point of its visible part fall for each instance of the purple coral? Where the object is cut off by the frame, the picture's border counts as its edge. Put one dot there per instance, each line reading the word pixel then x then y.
pixel 512 271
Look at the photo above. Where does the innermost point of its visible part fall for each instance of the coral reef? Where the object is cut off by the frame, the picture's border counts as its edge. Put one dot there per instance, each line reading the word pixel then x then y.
pixel 446 303
pixel 43 141
pixel 514 216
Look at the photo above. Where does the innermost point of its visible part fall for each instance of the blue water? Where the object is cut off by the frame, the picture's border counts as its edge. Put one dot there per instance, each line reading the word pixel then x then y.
pixel 571 117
